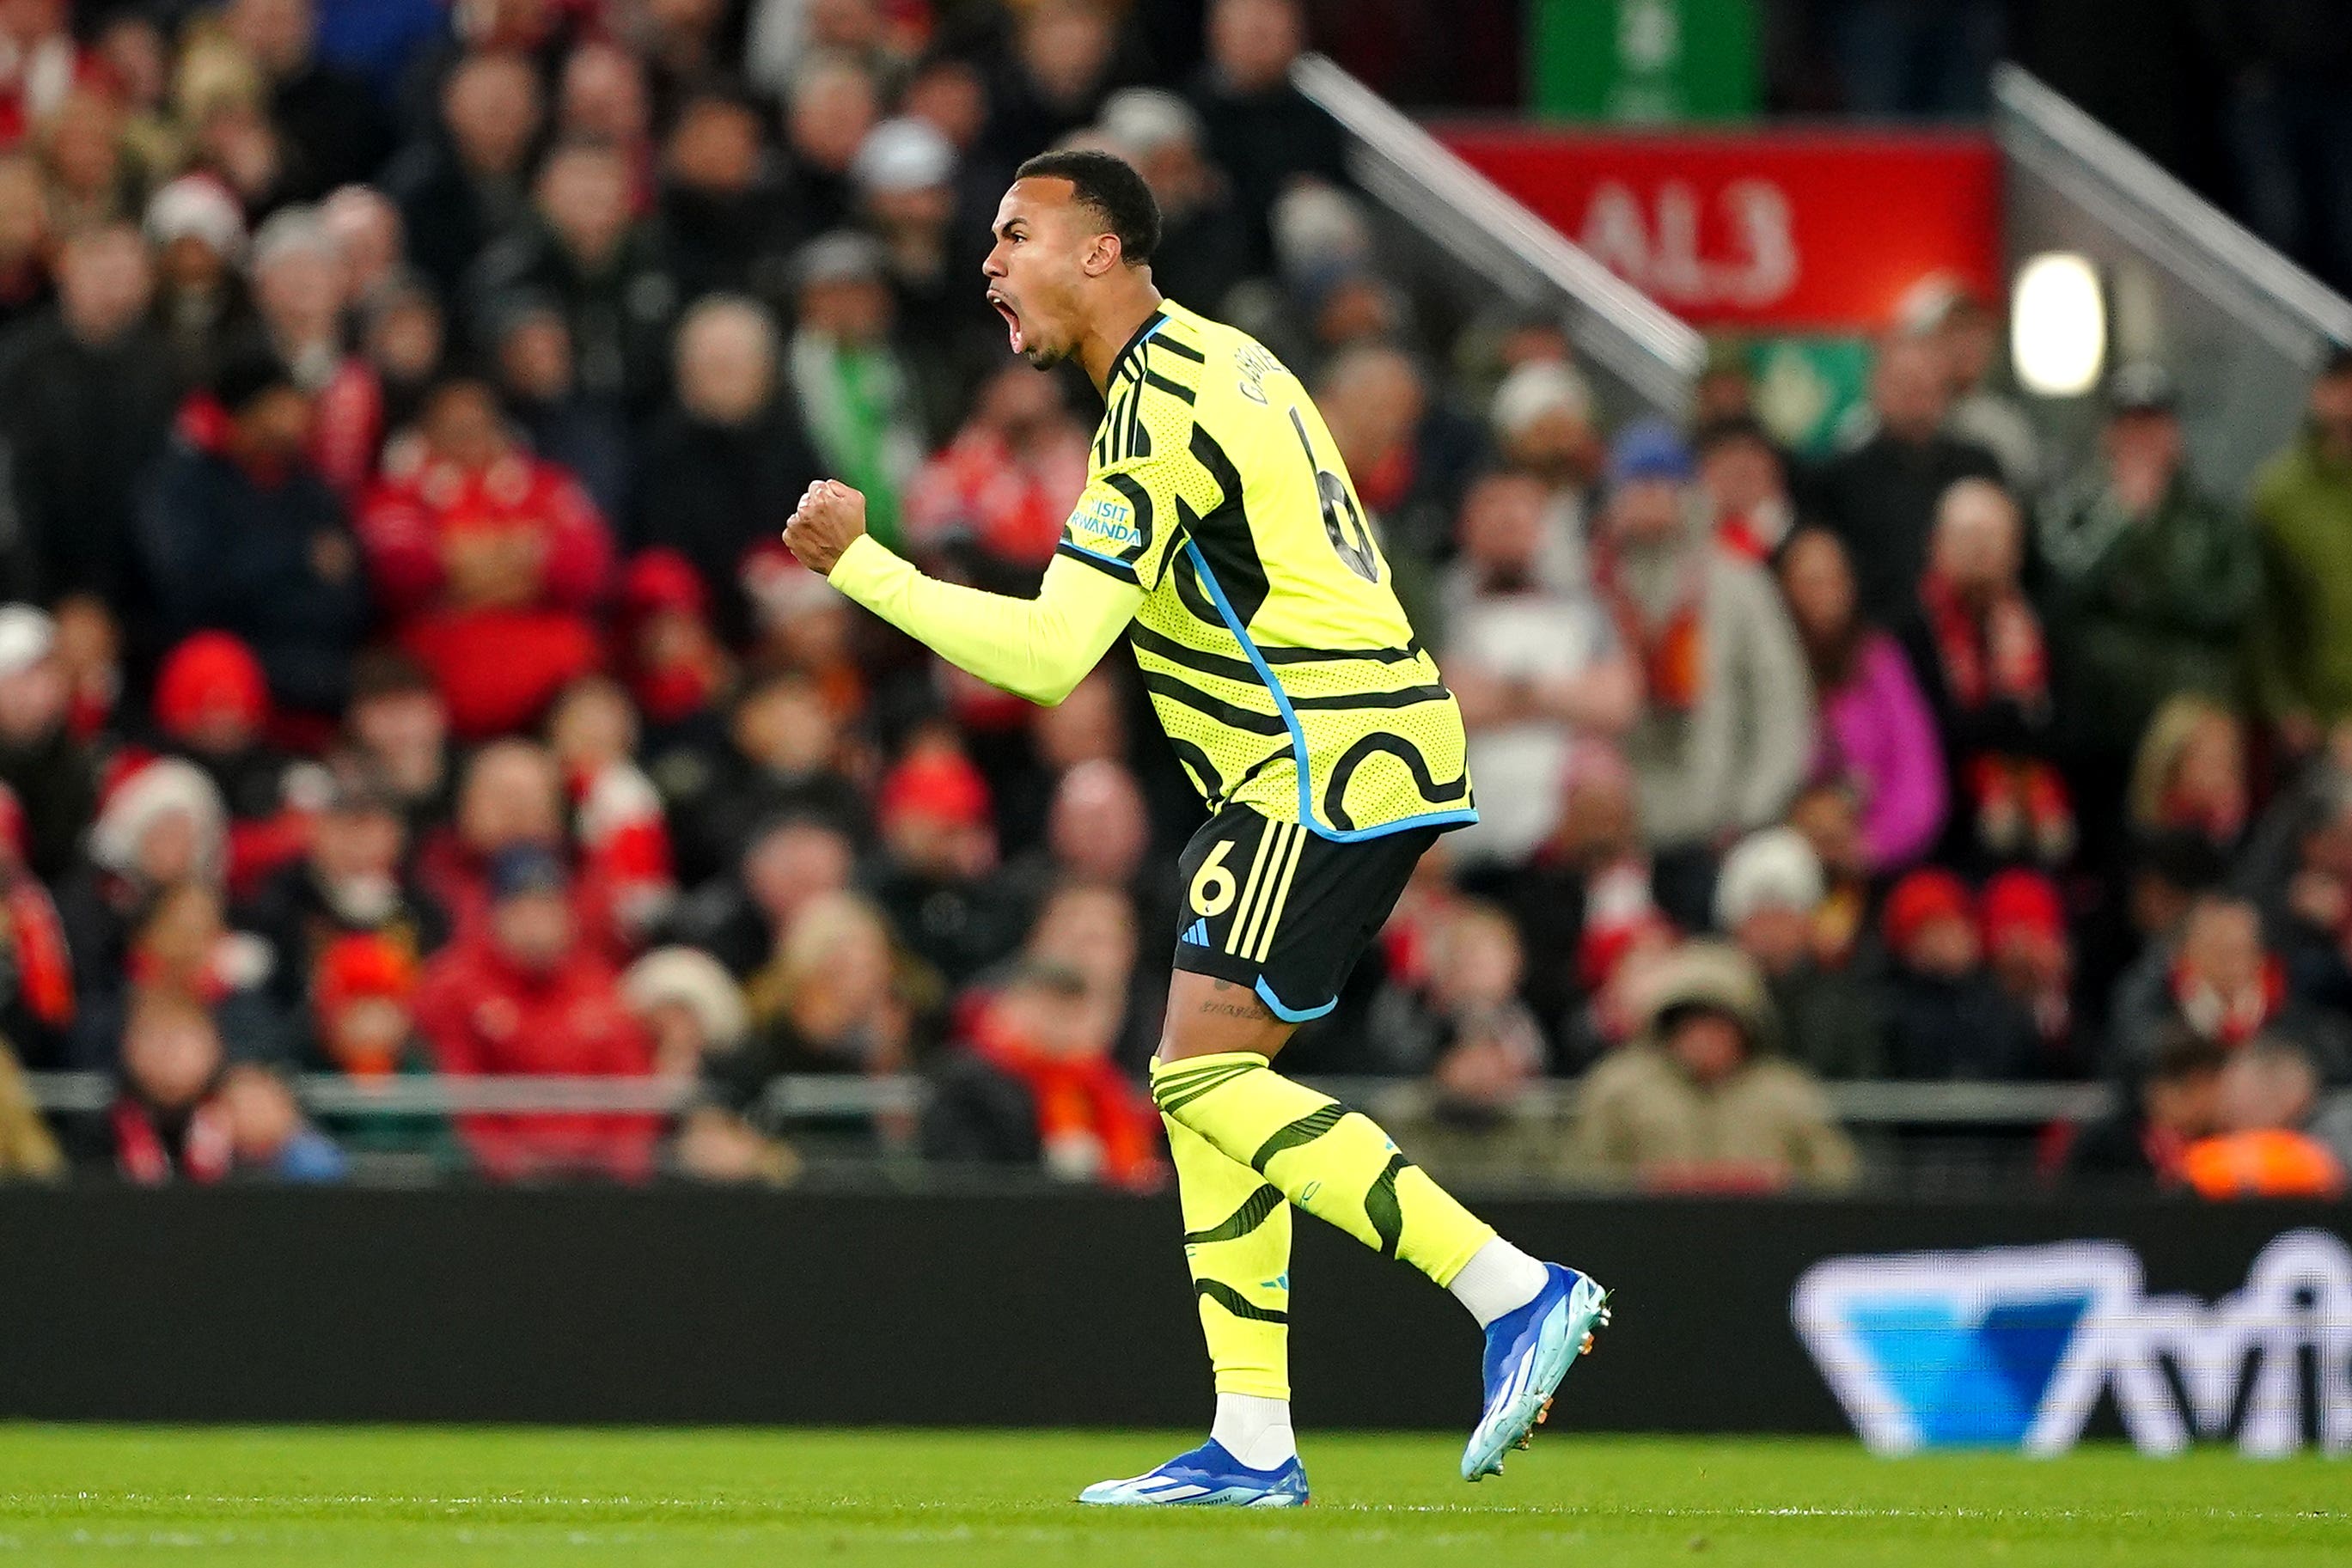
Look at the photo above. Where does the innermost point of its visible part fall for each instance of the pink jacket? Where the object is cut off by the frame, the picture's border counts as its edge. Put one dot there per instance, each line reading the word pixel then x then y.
pixel 1877 731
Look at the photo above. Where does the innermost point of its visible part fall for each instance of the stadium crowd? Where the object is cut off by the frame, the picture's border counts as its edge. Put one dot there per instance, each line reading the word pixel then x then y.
pixel 401 674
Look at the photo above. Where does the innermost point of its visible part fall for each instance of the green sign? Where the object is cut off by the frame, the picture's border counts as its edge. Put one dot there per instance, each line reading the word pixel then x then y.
pixel 1642 62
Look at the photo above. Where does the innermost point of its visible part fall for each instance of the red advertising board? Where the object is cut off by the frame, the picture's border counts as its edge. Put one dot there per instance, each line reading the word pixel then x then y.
pixel 1786 231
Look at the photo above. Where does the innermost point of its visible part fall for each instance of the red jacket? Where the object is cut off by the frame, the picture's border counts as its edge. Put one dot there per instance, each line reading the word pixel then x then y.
pixel 484 1017
pixel 498 667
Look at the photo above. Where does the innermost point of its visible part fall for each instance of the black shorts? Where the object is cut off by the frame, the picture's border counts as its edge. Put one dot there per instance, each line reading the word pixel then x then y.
pixel 1275 907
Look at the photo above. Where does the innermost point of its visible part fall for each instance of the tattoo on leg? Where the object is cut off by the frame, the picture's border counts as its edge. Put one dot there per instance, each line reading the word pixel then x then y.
pixel 1232 1009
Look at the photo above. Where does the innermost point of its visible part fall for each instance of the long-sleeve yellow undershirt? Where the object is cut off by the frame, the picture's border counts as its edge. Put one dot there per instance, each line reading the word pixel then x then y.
pixel 1036 648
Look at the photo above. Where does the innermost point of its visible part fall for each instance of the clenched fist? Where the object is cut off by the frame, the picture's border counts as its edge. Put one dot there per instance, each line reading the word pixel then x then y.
pixel 830 515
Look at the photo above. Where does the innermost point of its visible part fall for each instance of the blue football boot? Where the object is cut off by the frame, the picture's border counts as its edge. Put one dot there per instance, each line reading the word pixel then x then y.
pixel 1208 1477
pixel 1527 1353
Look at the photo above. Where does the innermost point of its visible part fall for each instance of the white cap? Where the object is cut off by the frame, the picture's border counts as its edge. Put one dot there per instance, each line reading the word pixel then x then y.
pixel 1775 868
pixel 1143 119
pixel 903 154
pixel 200 205
pixel 26 635
pixel 1535 389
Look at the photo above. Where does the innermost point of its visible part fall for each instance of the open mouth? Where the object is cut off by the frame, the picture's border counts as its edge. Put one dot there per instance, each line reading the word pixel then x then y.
pixel 1012 317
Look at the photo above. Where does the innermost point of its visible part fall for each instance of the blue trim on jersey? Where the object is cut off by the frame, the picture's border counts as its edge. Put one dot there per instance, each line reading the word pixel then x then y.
pixel 1290 1015
pixel 1455 814
pixel 1123 569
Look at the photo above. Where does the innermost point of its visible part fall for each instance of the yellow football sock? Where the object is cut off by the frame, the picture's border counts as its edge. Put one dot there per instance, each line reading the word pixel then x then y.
pixel 1237 1243
pixel 1334 1162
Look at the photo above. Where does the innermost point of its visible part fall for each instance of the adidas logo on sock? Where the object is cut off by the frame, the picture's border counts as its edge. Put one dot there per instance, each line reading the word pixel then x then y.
pixel 1197 935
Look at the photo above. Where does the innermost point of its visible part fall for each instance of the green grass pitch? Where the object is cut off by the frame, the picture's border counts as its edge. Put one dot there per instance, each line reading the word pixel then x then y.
pixel 317 1496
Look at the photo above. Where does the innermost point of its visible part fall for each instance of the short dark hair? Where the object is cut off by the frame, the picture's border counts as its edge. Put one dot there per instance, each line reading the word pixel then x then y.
pixel 1110 185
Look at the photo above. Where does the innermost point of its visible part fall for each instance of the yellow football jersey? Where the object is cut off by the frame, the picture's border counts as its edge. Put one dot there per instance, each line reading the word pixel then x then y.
pixel 1274 649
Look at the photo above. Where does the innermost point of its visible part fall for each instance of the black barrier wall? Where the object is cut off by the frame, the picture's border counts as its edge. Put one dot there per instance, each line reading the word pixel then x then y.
pixel 1066 1309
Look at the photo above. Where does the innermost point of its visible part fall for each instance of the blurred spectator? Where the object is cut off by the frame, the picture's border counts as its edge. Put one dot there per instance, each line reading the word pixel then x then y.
pixel 1465 1003
pixel 1945 1019
pixel 488 560
pixel 2030 957
pixel 469 182
pixel 1699 1100
pixel 1876 731
pixel 1536 668
pixel 1747 485
pixel 2220 981
pixel 905 178
pixel 362 994
pixel 1004 485
pixel 2303 510
pixel 329 122
pixel 522 993
pixel 212 708
pixel 27 1150
pixel 1828 815
pixel 602 97
pixel 180 951
pixel 1052 80
pixel 399 730
pixel 168 1122
pixel 268 1135
pixel 2190 777
pixel 831 1000
pixel 726 461
pixel 1409 458
pixel 1956 321
pixel 2175 1102
pixel 668 653
pixel 606 270
pixel 1976 646
pixel 2156 583
pixel 832 105
pixel 721 206
pixel 1727 722
pixel 1092 928
pixel 352 880
pixel 584 431
pixel 2262 1149
pixel 50 771
pixel 1882 497
pixel 1035 1084
pixel 782 757
pixel 241 534
pixel 855 393
pixel 742 915
pixel 24 239
pixel 300 289
pixel 94 180
pixel 693 1011
pixel 1205 246
pixel 86 404
pixel 512 795
pixel 1766 900
pixel 1264 132
pixel 366 231
pixel 938 883
pixel 160 824
pixel 1542 423
pixel 201 307
pixel 615 813
pixel 404 339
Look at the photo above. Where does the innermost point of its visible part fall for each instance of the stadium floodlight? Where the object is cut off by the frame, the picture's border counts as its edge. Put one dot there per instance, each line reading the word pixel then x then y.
pixel 2057 325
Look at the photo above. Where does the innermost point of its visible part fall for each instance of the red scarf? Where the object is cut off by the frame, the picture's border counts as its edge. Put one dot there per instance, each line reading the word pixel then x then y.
pixel 2231 1020
pixel 205 1145
pixel 44 968
pixel 1673 656
pixel 1084 1097
pixel 1986 657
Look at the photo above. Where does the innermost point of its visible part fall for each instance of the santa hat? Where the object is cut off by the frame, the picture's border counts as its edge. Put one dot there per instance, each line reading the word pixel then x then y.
pixel 692 980
pixel 209 673
pixel 143 796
